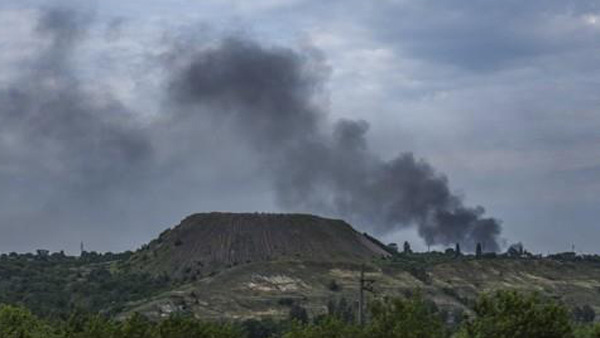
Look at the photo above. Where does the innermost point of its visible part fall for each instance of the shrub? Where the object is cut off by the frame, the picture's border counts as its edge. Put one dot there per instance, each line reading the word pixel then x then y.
pixel 298 313
pixel 328 328
pixel 18 322
pixel 405 318
pixel 334 286
pixel 584 314
pixel 285 301
pixel 511 314
pixel 342 310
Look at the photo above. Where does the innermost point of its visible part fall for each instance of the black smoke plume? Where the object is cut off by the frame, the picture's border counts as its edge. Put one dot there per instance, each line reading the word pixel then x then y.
pixel 73 158
pixel 269 97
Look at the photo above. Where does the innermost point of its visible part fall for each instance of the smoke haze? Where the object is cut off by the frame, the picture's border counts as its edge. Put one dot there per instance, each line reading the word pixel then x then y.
pixel 68 153
pixel 268 96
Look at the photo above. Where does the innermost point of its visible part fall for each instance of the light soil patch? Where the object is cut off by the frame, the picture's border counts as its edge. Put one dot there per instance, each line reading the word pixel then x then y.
pixel 277 283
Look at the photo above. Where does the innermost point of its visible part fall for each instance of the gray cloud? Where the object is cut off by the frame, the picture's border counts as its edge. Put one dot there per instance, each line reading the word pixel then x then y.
pixel 485 35
pixel 65 149
pixel 53 124
pixel 501 96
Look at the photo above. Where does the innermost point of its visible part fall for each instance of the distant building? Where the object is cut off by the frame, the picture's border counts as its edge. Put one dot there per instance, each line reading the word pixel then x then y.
pixel 393 246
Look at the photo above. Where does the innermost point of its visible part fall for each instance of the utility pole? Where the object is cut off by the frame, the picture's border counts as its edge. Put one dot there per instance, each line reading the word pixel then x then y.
pixel 365 285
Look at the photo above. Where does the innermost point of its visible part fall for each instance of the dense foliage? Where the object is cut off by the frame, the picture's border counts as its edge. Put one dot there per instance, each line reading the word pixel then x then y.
pixel 56 285
pixel 57 296
pixel 510 314
pixel 501 314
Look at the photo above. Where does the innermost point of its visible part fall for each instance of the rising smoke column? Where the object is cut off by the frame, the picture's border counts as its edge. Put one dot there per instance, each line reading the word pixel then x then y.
pixel 68 152
pixel 269 97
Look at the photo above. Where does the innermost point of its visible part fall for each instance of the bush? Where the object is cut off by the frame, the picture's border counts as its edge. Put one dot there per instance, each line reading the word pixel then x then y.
pixel 334 286
pixel 405 318
pixel 328 328
pixel 285 301
pixel 510 314
pixel 17 322
pixel 587 331
pixel 584 314
pixel 254 328
pixel 298 313
pixel 342 310
pixel 188 327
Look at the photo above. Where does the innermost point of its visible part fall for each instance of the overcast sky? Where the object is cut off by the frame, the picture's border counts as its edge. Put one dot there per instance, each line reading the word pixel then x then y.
pixel 501 97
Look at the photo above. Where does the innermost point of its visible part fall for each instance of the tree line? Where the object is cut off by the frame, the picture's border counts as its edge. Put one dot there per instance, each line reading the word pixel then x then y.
pixel 495 315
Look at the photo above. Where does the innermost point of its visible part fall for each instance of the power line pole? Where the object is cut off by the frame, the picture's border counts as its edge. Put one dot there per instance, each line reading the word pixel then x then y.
pixel 365 285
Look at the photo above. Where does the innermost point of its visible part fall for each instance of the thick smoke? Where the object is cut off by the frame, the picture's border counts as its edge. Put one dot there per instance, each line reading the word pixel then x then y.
pixel 76 157
pixel 269 96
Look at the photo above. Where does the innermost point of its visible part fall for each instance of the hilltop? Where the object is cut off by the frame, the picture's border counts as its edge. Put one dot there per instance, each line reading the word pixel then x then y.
pixel 204 244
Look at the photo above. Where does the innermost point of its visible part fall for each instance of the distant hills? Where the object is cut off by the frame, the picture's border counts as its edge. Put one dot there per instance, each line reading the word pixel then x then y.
pixel 258 265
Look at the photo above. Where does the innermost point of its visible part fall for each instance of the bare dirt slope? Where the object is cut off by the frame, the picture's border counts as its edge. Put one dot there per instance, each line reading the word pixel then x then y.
pixel 266 289
pixel 204 244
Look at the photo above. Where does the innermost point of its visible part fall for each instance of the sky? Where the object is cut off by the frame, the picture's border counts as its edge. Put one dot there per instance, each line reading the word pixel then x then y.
pixel 120 118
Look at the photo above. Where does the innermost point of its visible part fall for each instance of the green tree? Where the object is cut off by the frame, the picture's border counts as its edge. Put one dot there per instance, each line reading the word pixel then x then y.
pixel 478 250
pixel 254 328
pixel 178 326
pixel 587 331
pixel 17 322
pixel 405 318
pixel 584 314
pixel 327 328
pixel 511 314
pixel 97 327
pixel 298 313
pixel 137 326
pixel 341 309
pixel 82 325
pixel 407 248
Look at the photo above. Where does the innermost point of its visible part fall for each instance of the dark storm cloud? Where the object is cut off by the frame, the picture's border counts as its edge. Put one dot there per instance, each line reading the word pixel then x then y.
pixel 268 96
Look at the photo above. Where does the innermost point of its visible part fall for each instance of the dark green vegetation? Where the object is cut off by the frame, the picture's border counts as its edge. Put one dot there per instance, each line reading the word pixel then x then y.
pixel 55 285
pixel 258 271
pixel 500 314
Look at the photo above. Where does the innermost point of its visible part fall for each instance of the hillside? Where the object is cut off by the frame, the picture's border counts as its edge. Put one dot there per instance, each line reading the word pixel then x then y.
pixel 268 289
pixel 257 265
pixel 239 266
pixel 204 244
